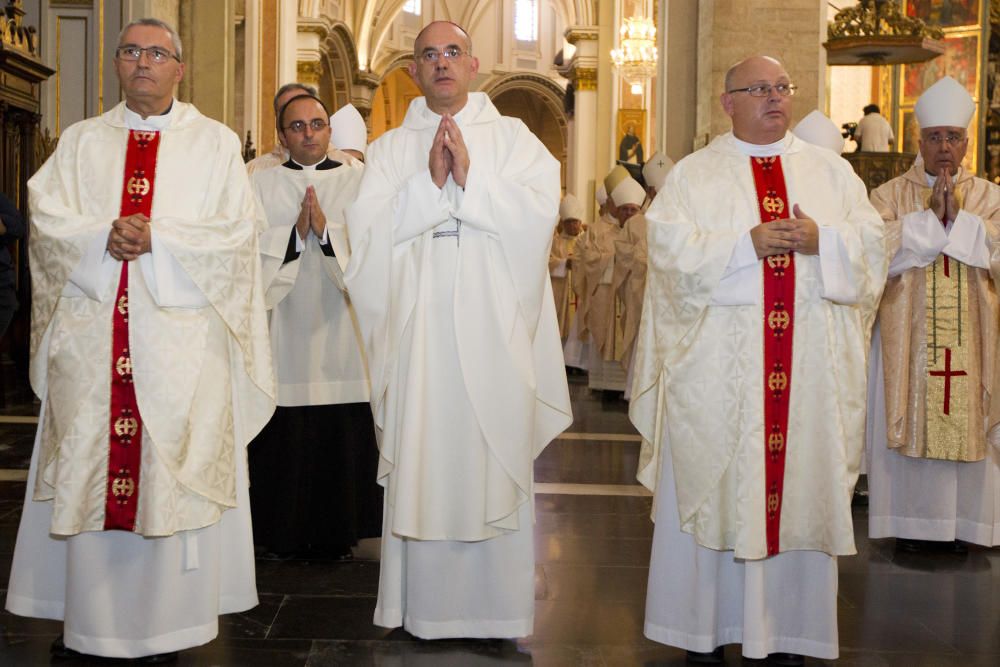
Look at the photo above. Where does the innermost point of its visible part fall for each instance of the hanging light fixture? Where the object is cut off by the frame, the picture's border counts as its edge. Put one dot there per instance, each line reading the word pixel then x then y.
pixel 636 59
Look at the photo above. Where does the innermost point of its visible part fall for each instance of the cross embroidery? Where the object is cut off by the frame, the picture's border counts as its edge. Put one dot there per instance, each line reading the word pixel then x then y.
pixel 947 374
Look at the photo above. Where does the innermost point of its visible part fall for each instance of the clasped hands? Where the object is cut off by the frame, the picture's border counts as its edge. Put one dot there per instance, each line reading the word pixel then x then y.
pixel 799 234
pixel 448 154
pixel 311 215
pixel 130 237
pixel 943 201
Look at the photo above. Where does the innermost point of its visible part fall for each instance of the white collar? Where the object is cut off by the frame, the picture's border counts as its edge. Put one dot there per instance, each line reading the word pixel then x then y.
pixel 134 121
pixel 762 150
pixel 931 179
pixel 309 167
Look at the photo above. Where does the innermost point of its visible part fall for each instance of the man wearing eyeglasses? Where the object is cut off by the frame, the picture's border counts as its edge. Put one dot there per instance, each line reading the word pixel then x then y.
pixel 279 154
pixel 934 467
pixel 313 467
pixel 450 239
pixel 150 354
pixel 766 262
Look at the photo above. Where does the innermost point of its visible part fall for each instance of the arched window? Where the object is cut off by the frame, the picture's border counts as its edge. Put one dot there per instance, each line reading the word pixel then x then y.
pixel 412 7
pixel 526 20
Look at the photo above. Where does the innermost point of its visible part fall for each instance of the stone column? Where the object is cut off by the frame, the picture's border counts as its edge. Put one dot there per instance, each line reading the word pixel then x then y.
pixel 308 53
pixel 581 152
pixel 790 30
pixel 677 76
pixel 208 32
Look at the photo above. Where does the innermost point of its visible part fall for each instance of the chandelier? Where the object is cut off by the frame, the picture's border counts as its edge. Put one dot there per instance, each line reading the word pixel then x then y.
pixel 636 59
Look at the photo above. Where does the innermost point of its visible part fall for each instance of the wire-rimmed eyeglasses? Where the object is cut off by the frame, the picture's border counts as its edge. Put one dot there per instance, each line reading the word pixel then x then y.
pixel 764 89
pixel 132 53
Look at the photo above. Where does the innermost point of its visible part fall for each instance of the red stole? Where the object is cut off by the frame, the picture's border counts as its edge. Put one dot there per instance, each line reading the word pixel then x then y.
pixel 125 444
pixel 779 317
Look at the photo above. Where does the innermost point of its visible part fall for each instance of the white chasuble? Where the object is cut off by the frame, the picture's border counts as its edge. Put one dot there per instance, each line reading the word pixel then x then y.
pixel 452 295
pixel 700 349
pixel 315 342
pixel 934 415
pixel 698 402
pixel 203 381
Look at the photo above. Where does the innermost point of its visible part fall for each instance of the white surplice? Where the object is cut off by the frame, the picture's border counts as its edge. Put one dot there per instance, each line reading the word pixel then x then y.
pixel 698 357
pixel 315 343
pixel 203 380
pixel 452 294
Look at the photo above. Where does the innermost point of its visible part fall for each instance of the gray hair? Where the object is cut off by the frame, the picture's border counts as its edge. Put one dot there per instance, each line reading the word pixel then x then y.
pixel 295 85
pixel 156 23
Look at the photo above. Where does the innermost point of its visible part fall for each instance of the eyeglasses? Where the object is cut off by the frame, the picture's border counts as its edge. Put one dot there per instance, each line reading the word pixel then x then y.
pixel 299 126
pixel 133 53
pixel 952 139
pixel 764 89
pixel 449 52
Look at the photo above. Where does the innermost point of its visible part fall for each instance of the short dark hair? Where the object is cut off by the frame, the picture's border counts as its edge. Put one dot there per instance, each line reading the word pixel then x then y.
pixel 304 96
pixel 871 108
pixel 295 85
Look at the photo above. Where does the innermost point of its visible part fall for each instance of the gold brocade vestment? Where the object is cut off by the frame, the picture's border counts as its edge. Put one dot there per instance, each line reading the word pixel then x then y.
pixel 939 326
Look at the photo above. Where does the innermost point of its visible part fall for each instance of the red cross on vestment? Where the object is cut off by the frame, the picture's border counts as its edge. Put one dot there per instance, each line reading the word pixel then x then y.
pixel 947 374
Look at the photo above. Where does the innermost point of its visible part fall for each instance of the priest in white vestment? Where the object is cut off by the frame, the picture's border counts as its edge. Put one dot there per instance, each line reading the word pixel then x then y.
pixel 448 275
pixel 934 417
pixel 312 469
pixel 561 259
pixel 751 437
pixel 149 352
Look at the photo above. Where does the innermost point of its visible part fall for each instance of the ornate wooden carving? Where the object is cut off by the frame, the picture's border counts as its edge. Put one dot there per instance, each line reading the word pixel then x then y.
pixel 878 168
pixel 23 148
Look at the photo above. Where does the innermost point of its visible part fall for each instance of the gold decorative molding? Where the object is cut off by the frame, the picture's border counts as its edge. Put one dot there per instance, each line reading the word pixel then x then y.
pixel 876 32
pixel 308 71
pixel 584 78
pixel 15 36
pixel 578 33
pixel 879 18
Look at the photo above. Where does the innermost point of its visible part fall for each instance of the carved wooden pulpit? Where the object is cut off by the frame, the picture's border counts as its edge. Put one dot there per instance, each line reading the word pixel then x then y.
pixel 22 151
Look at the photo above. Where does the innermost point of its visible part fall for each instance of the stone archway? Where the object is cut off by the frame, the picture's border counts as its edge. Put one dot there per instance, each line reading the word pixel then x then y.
pixel 338 64
pixel 538 102
pixel 391 99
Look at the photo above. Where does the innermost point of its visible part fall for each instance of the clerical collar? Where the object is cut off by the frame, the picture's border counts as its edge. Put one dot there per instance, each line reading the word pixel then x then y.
pixel 134 121
pixel 932 179
pixel 762 150
pixel 322 165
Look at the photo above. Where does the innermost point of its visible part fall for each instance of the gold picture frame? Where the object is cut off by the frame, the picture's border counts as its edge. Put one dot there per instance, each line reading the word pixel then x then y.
pixel 631 136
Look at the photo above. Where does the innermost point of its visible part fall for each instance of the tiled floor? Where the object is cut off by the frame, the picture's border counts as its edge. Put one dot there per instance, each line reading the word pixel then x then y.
pixel 592 553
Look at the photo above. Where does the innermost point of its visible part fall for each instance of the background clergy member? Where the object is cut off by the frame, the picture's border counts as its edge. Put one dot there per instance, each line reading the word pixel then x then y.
pixel 751 437
pixel 628 279
pixel 149 352
pixel 313 467
pixel 561 259
pixel 934 464
pixel 450 239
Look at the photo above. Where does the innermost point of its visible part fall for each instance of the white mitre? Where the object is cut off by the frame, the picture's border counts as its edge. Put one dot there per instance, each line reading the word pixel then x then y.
pixel 655 171
pixel 570 208
pixel 818 129
pixel 348 129
pixel 628 191
pixel 945 104
pixel 602 195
